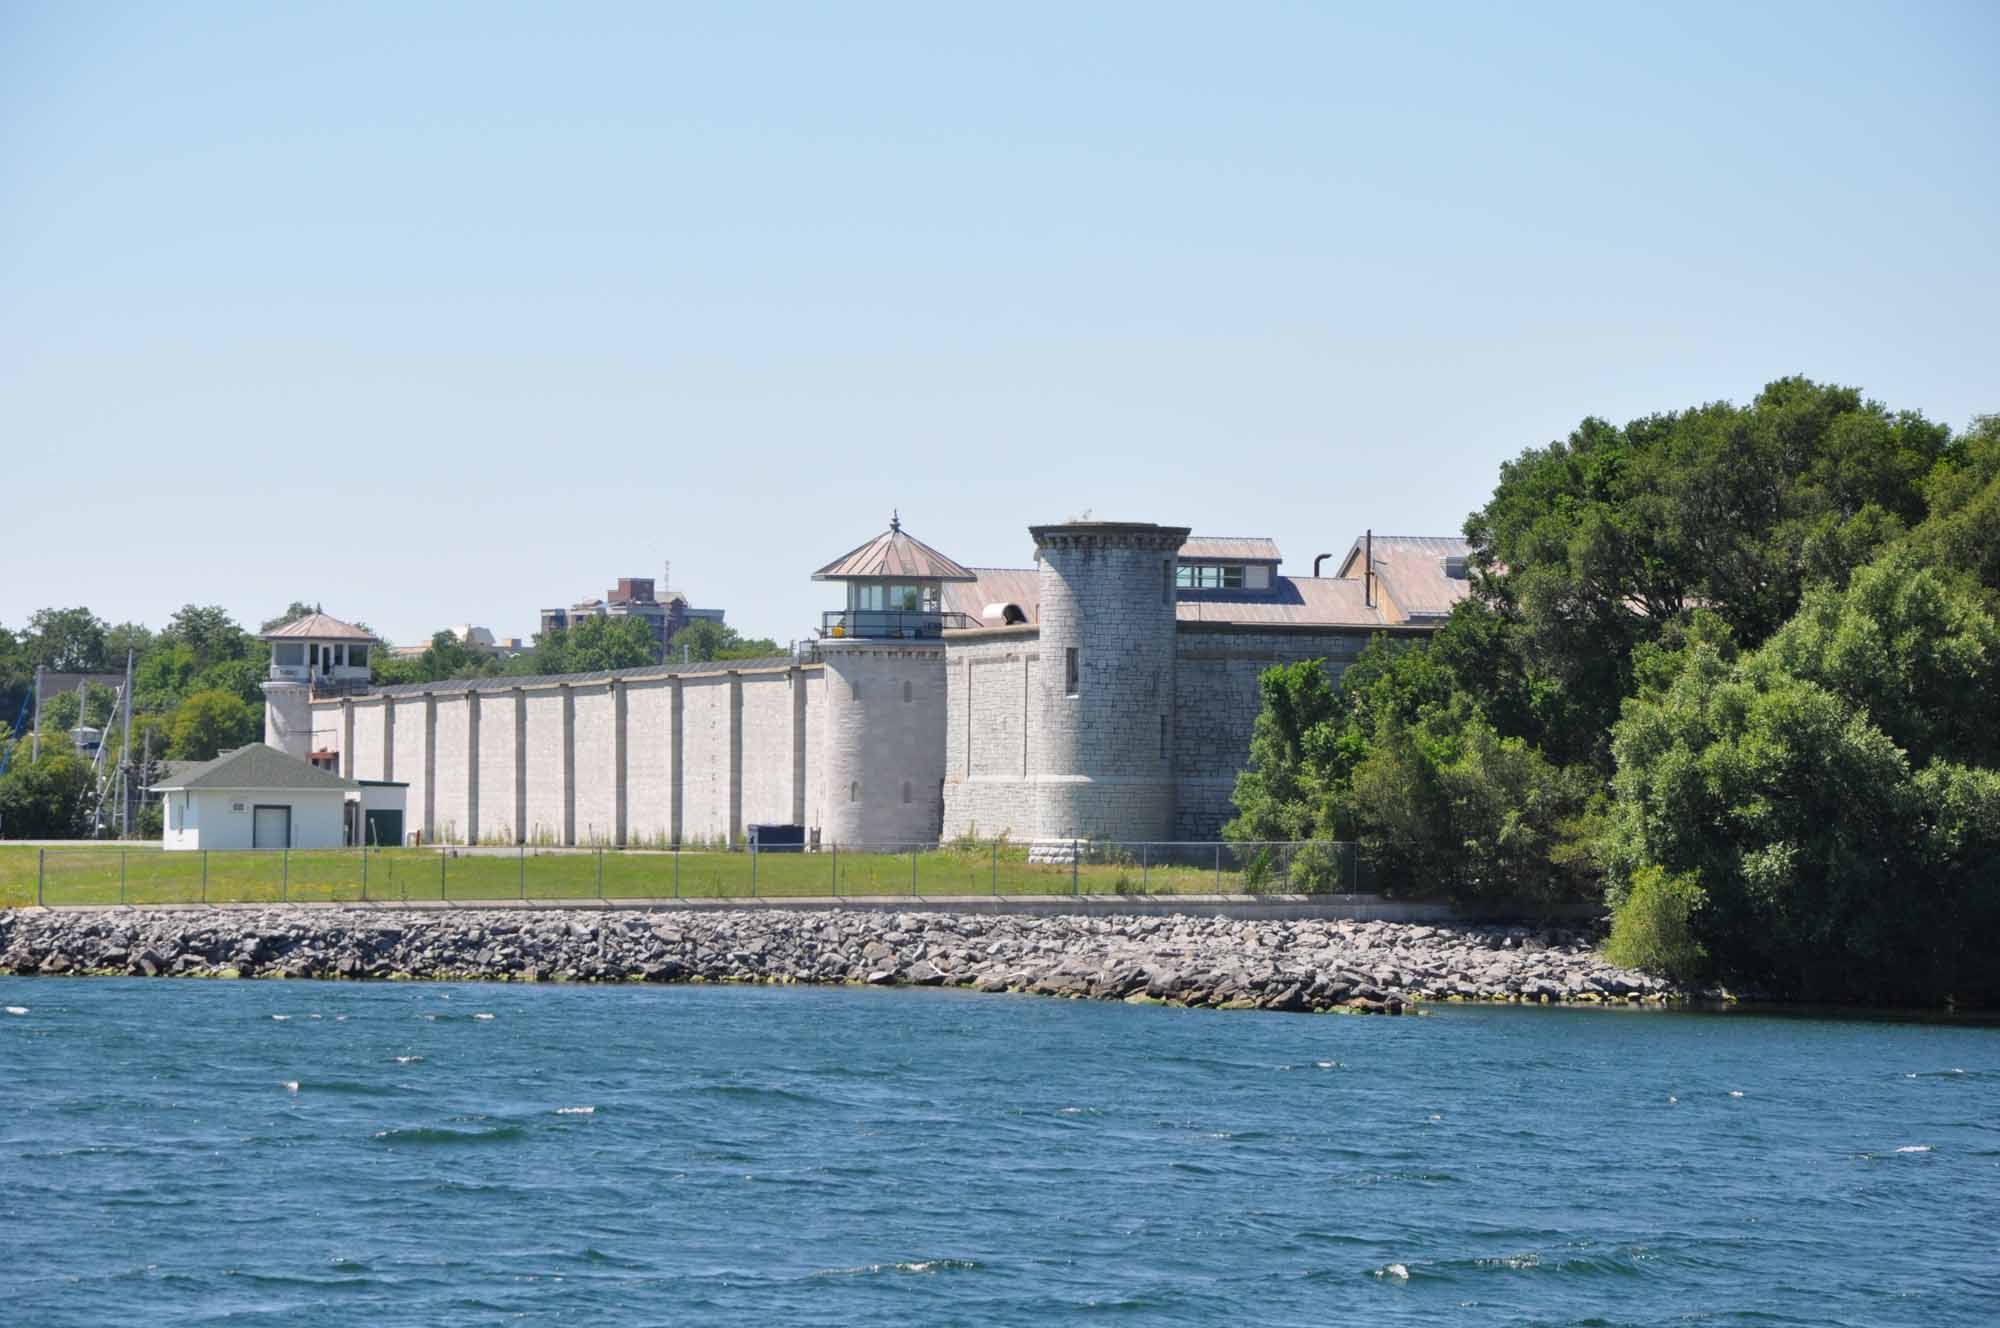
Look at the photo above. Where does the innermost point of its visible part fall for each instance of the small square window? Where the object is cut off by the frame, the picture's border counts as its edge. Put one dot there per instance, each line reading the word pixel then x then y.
pixel 1069 671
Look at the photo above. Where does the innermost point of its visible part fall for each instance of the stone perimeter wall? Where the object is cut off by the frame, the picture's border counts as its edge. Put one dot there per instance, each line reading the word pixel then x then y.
pixel 994 743
pixel 689 758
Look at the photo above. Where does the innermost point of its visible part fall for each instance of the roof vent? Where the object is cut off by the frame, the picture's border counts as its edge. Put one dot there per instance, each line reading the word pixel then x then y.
pixel 1454 566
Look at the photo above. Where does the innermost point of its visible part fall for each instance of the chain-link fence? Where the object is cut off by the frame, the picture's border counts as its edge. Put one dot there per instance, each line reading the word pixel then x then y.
pixel 123 874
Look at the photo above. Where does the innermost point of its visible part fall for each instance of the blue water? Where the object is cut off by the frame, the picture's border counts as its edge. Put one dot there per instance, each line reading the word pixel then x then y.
pixel 765 1155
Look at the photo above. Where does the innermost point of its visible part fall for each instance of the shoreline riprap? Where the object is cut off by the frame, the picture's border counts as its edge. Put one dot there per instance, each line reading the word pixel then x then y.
pixel 1301 965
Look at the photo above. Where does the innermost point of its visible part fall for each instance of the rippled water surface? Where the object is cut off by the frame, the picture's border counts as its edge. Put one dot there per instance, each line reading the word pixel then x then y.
pixel 210 1152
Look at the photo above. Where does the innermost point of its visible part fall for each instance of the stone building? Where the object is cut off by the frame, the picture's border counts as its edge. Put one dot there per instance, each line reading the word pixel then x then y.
pixel 1107 692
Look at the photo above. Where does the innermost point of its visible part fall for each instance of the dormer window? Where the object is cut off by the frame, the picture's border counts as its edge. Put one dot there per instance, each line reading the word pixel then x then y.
pixel 1210 576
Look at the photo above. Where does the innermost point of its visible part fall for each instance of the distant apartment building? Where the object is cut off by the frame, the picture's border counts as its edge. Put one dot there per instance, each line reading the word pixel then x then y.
pixel 635 597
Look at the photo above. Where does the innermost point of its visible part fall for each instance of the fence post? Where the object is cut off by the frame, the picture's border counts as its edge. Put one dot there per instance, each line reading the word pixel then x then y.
pixel 41 872
pixel 121 876
pixel 284 873
pixel 913 871
pixel 996 869
pixel 1075 856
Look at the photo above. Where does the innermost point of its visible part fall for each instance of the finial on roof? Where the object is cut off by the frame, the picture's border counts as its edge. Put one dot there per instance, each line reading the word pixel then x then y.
pixel 895 519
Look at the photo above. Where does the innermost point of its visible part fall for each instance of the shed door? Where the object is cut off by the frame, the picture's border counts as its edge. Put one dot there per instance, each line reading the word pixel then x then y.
pixel 271 828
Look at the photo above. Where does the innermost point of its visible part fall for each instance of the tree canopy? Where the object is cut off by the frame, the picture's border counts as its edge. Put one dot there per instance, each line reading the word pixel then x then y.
pixel 1731 669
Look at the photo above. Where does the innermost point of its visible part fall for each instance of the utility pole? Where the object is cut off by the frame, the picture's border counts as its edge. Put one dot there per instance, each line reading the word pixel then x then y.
pixel 125 756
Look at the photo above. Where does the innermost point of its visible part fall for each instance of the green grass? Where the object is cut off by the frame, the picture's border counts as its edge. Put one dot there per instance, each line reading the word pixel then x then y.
pixel 143 874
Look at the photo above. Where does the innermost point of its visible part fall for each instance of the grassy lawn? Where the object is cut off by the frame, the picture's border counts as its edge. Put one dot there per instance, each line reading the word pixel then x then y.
pixel 142 874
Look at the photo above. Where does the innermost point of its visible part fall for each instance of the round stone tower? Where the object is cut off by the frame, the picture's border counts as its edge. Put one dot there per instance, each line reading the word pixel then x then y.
pixel 884 719
pixel 1104 768
pixel 884 714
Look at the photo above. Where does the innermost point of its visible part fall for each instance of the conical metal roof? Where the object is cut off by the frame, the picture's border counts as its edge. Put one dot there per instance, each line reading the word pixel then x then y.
pixel 318 627
pixel 893 555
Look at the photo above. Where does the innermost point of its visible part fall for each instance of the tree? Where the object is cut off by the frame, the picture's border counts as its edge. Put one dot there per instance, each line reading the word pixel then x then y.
pixel 1592 546
pixel 136 638
pixel 67 640
pixel 593 644
pixel 210 632
pixel 210 723
pixel 46 799
pixel 1962 530
pixel 1825 806
pixel 705 639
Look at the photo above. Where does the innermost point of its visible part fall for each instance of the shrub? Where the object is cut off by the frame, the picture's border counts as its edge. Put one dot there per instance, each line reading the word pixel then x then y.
pixel 1318 868
pixel 1654 928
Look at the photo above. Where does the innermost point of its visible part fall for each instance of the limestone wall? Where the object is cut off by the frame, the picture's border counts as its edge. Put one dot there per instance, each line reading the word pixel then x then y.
pixel 595 756
pixel 883 736
pixel 989 735
pixel 651 790
pixel 499 806
pixel 647 760
pixel 452 777
pixel 1216 700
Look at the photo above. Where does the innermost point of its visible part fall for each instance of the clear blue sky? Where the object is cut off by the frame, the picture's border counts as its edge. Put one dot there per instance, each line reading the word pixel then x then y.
pixel 446 313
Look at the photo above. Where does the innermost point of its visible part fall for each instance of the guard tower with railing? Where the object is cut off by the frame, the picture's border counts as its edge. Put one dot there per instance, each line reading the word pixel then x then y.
pixel 884 678
pixel 314 656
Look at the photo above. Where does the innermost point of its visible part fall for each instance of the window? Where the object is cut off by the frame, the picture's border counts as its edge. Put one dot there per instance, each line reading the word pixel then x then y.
pixel 1210 576
pixel 906 599
pixel 906 791
pixel 312 654
pixel 1069 671
pixel 289 653
pixel 868 595
pixel 357 657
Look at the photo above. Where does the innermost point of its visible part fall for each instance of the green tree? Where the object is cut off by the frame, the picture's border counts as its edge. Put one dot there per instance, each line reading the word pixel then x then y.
pixel 210 723
pixel 1962 530
pixel 210 632
pixel 706 640
pixel 593 644
pixel 67 640
pixel 136 638
pixel 1813 801
pixel 1595 545
pixel 46 799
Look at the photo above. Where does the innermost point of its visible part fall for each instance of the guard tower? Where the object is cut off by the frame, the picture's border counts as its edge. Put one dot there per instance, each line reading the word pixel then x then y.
pixel 316 655
pixel 885 705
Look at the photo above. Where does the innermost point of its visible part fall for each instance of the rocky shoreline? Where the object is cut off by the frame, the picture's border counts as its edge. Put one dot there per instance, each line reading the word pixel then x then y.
pixel 1309 965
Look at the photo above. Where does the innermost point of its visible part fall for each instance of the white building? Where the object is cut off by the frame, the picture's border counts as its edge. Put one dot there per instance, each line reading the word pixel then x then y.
pixel 255 797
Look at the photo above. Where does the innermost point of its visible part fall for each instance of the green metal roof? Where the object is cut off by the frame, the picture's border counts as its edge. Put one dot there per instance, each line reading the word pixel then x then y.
pixel 255 767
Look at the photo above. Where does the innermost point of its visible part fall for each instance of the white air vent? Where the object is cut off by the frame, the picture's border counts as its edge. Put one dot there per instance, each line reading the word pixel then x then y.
pixel 237 807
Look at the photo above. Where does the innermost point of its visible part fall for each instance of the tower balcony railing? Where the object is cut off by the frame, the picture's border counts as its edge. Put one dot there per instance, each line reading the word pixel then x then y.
pixel 891 624
pixel 324 686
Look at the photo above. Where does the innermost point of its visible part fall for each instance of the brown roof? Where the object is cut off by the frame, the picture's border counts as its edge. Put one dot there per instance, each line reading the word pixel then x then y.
pixel 995 585
pixel 1410 568
pixel 1245 548
pixel 894 554
pixel 1292 600
pixel 319 627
